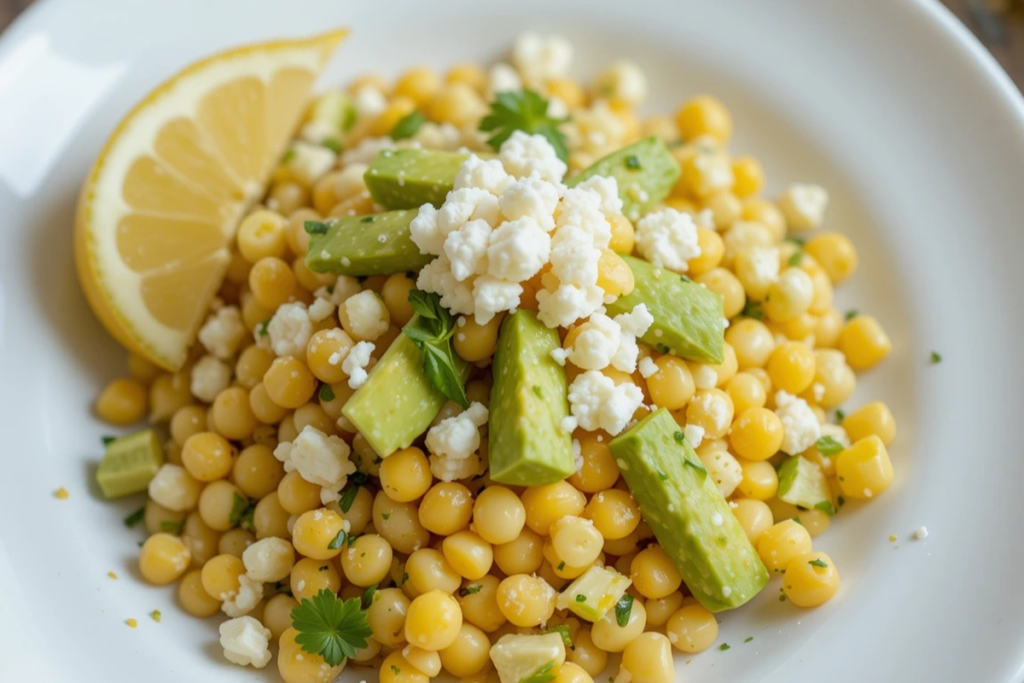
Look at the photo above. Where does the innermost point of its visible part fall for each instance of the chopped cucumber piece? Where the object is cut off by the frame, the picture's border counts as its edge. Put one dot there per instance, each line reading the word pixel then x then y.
pixel 687 514
pixel 410 178
pixel 529 398
pixel 594 593
pixel 129 464
pixel 802 483
pixel 397 402
pixel 518 658
pixel 646 171
pixel 366 245
pixel 688 319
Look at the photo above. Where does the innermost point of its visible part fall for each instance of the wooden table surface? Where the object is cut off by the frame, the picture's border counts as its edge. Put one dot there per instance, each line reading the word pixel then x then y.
pixel 998 23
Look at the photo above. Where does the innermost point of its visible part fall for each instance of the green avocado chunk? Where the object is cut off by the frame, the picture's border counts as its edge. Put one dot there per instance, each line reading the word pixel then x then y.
pixel 365 245
pixel 129 464
pixel 410 178
pixel 529 399
pixel 646 172
pixel 802 483
pixel 688 318
pixel 397 402
pixel 687 514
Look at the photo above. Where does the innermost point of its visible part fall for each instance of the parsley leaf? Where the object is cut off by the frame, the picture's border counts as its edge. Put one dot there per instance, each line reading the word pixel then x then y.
pixel 828 446
pixel 753 309
pixel 542 675
pixel 563 630
pixel 242 510
pixel 316 227
pixel 326 393
pixel 826 507
pixel 262 330
pixel 581 598
pixel 432 333
pixel 818 563
pixel 330 627
pixel 526 111
pixel 136 517
pixel 623 608
pixel 936 358
pixel 408 126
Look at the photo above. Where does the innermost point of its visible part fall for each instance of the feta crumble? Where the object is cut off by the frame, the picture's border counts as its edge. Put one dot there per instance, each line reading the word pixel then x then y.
pixel 603 341
pixel 356 362
pixel 541 58
pixel 289 330
pixel 648 368
pixel 921 533
pixel 321 309
pixel 308 162
pixel 319 459
pixel 800 425
pixel 174 488
pixel 246 642
pixel 368 317
pixel 598 403
pixel 210 376
pixel 269 559
pixel 223 332
pixel 668 239
pixel 245 599
pixel 453 444
pixel 694 434
pixel 724 469
pixel 804 206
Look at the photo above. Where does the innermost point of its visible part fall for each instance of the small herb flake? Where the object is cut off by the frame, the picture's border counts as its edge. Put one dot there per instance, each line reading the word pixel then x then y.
pixel 395 670
pixel 470 590
pixel 851 314
pixel 683 278
pixel 798 241
pixel 563 630
pixel 338 540
pixel 782 597
pixel 155 615
pixel 679 436
pixel 753 309
pixel 367 219
pixel 561 566
pixel 107 440
pixel 662 348
pixel 826 507
pixel 828 446
pixel 623 609
pixel 261 329
pixel 170 527
pixel 542 675
pixel 841 501
pixel 405 577
pixel 385 516
pixel 316 227
pixel 326 393
pixel 322 568
pixel 408 126
pixel 818 563
pixel 840 414
pixel 632 162
pixel 697 466
pixel 581 598
pixel 936 358
pixel 724 646
pixel 796 258
pixel 242 511
pixel 797 520
pixel 748 639
pixel 333 144
pixel 348 497
pixel 136 517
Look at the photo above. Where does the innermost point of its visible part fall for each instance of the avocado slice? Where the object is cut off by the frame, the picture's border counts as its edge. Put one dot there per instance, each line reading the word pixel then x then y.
pixel 802 483
pixel 645 170
pixel 688 318
pixel 409 178
pixel 687 514
pixel 397 402
pixel 365 245
pixel 529 399
pixel 129 464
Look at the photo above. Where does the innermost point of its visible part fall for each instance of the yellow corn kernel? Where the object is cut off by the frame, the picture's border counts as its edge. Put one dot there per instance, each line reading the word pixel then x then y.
pixel 398 109
pixel 712 248
pixel 835 253
pixel 749 176
pixel 873 419
pixel 458 104
pixel 781 543
pixel 433 621
pixel 767 214
pixel 864 342
pixel 864 469
pixel 623 235
pixel 704 115
pixel 756 435
pixel 418 84
pixel 791 367
pixel 811 580
pixel 471 74
pixel 614 275
pixel 567 90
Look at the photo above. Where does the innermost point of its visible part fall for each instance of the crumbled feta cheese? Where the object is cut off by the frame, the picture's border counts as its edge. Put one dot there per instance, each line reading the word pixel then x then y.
pixel 541 58
pixel 481 174
pixel 289 330
pixel 608 189
pixel 437 277
pixel 210 376
pixel 800 425
pixel 368 149
pixel 369 101
pixel 518 250
pixel 307 163
pixel 524 154
pixel 603 341
pixel 921 533
pixel 466 249
pixel 597 403
pixel 345 287
pixel 758 268
pixel 533 198
pixel 439 136
pixel 559 355
pixel 222 332
pixel 724 469
pixel 319 459
pixel 491 295
pixel 245 599
pixel 557 108
pixel 568 303
pixel 246 642
pixel 269 559
pixel 577 453
pixel 568 424
pixel 648 368
pixel 321 309
pixel 625 82
pixel 694 435
pixel 503 78
pixel 174 488
pixel 804 206
pixel 716 405
pixel 355 364
pixel 367 315
pixel 585 208
pixel 453 444
pixel 704 376
pixel 574 258
pixel 668 239
pixel 715 172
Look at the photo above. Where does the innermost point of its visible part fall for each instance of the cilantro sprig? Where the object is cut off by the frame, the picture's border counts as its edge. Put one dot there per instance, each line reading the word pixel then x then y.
pixel 526 111
pixel 331 627
pixel 432 333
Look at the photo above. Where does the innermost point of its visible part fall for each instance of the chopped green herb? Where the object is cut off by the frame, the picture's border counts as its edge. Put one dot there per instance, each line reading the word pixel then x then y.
pixel 632 161
pixel 581 598
pixel 107 440
pixel 432 333
pixel 395 670
pixel 828 446
pixel 782 597
pixel 841 501
pixel 368 596
pixel 798 241
pixel 563 631
pixel 561 566
pixel 542 675
pixel 936 358
pixel 136 517
pixel 470 590
pixel 748 639
pixel 851 314
pixel 316 227
pixel 700 468
pixel 679 436
pixel 326 393
pixel 408 126
pixel 261 329
pixel 818 563
pixel 279 587
pixel 405 577
pixel 840 414
pixel 753 309
pixel 623 608
pixel 723 647
pixel 367 219
pixel 348 497
pixel 322 568
pixel 526 111
pixel 826 507
pixel 170 527
pixel 288 156
pixel 385 516
pixel 662 348
pixel 333 144
pixel 242 511
pixel 797 520
pixel 338 540
pixel 685 279
pixel 796 258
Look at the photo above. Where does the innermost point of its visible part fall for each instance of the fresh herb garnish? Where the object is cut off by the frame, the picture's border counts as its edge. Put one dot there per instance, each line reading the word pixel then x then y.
pixel 798 241
pixel 288 156
pixel 782 597
pixel 326 393
pixel 542 675
pixel 723 647
pixel 753 309
pixel 818 563
pixel 333 144
pixel 432 334
pixel 841 501
pixel 262 330
pixel 851 314
pixel 623 608
pixel 316 227
pixel 330 627
pixel 748 639
pixel 679 436
pixel 796 258
pixel 563 630
pixel 338 540
pixel 395 670
pixel 936 358
pixel 662 348
pixel 798 521
pixel 581 598
pixel 828 446
pixel 136 517
pixel 526 111
pixel 632 161
pixel 408 126
pixel 840 414
pixel 242 510
pixel 697 466
pixel 470 590
pixel 385 516
pixel 561 566
pixel 368 596
pixel 171 527
pixel 405 577
pixel 826 507
pixel 348 496
pixel 107 440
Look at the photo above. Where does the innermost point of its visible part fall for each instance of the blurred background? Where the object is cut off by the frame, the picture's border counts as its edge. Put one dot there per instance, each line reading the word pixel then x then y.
pixel 999 24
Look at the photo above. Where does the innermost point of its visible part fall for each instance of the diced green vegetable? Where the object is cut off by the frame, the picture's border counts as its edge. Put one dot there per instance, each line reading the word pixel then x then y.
pixel 129 464
pixel 688 319
pixel 802 483
pixel 365 245
pixel 599 587
pixel 646 172
pixel 517 658
pixel 526 443
pixel 397 402
pixel 410 178
pixel 688 515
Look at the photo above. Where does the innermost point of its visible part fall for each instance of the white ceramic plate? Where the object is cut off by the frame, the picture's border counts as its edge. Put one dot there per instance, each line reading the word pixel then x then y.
pixel 889 103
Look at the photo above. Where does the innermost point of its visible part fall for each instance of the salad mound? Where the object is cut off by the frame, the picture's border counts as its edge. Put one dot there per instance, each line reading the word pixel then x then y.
pixel 506 378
